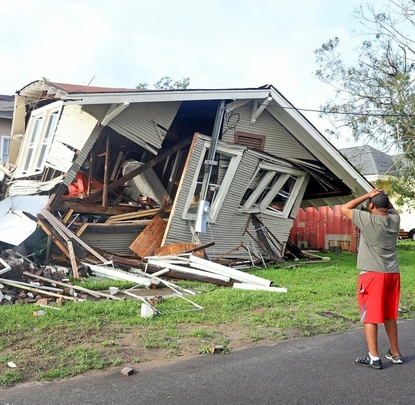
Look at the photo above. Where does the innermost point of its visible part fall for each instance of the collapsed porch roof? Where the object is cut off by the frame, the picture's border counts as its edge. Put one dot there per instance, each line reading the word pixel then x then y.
pixel 275 103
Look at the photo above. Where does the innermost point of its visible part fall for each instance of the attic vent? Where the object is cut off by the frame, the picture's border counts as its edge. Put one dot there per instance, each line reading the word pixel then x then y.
pixel 250 140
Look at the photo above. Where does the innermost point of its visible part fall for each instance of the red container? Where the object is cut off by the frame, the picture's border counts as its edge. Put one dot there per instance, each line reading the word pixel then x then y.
pixel 322 228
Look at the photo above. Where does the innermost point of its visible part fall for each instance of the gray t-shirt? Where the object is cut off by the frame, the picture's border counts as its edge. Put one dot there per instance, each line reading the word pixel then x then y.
pixel 378 238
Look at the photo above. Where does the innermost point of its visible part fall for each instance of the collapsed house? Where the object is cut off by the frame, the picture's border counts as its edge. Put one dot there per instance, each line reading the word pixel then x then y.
pixel 123 174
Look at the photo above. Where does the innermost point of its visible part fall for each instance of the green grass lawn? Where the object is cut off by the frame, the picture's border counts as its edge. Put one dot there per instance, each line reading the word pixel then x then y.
pixel 81 336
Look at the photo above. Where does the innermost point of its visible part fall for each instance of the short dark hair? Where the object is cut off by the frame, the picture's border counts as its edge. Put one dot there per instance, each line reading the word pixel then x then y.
pixel 380 201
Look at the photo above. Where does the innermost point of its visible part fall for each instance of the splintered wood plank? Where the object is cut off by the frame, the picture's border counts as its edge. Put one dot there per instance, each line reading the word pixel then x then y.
pixel 73 260
pixel 150 238
pixel 68 214
pixel 122 180
pixel 84 208
pixel 57 242
pixel 81 229
pixel 133 215
pixel 139 214
pixel 177 248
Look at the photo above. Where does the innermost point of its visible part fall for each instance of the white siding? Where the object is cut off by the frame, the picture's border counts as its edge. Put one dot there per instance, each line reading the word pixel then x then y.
pixel 278 141
pixel 228 231
pixel 137 122
pixel 74 128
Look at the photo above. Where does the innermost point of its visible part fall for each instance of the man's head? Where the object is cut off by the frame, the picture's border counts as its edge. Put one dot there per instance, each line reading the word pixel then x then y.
pixel 380 201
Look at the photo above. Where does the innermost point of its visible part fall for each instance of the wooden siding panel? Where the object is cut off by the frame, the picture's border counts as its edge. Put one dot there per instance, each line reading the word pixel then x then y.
pixel 299 199
pixel 136 122
pixel 74 126
pixel 150 239
pixel 230 225
pixel 74 129
pixel 117 243
pixel 83 153
pixel 278 142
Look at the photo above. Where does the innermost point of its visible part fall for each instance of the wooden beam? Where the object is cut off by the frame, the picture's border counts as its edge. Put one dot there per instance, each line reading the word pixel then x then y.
pixel 138 214
pixel 85 208
pixel 120 260
pixel 56 196
pixel 55 240
pixel 150 239
pixel 72 257
pixel 62 284
pixel 90 170
pixel 65 219
pixel 37 290
pixel 58 225
pixel 159 158
pixel 81 229
pixel 106 172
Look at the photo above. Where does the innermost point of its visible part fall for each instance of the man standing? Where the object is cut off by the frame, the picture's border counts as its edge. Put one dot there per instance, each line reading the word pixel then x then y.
pixel 378 286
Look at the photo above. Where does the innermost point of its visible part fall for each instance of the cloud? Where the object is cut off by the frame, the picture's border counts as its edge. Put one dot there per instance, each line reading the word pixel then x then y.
pixel 216 43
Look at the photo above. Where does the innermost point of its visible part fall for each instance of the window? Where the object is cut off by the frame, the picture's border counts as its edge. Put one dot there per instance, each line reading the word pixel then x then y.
pixel 220 180
pixel 5 148
pixel 272 190
pixel 37 141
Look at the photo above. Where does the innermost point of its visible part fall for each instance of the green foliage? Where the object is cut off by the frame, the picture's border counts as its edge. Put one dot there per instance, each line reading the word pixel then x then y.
pixel 374 96
pixel 89 335
pixel 75 361
pixel 167 83
pixel 10 377
pixel 141 86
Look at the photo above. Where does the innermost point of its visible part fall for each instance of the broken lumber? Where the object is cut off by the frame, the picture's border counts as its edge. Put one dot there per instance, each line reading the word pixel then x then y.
pixel 122 180
pixel 75 287
pixel 227 271
pixel 58 225
pixel 138 214
pixel 188 270
pixel 150 239
pixel 254 287
pixel 120 275
pixel 23 287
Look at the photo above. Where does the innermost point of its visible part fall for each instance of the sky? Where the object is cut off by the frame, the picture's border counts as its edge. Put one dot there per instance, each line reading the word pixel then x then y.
pixel 216 43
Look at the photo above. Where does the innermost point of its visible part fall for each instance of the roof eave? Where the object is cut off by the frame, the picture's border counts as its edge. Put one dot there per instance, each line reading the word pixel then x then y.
pixel 318 145
pixel 165 96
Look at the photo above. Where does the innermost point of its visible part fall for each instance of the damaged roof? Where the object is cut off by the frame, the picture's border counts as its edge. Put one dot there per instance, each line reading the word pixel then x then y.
pixel 329 165
pixel 6 106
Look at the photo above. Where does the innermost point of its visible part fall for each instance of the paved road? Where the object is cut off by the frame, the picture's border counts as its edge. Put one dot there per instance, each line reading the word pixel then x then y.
pixel 316 370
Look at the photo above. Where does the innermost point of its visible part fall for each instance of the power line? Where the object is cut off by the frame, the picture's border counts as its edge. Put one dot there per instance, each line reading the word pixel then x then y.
pixel 342 113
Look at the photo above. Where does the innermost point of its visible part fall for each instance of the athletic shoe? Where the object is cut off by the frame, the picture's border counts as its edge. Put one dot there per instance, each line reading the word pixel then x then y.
pixel 394 359
pixel 368 362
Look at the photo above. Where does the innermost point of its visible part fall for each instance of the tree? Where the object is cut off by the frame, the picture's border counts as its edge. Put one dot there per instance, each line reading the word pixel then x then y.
pixel 167 83
pixel 374 97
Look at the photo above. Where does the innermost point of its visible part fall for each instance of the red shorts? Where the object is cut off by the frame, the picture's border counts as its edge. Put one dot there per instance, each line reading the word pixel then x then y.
pixel 378 296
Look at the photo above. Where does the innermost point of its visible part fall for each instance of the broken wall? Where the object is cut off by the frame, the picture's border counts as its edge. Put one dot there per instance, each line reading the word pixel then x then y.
pixel 228 231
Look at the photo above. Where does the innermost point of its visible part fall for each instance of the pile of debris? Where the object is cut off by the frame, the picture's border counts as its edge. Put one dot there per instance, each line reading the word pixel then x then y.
pixel 23 282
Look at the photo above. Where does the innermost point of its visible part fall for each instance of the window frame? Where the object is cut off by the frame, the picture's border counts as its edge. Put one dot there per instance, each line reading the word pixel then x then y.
pixel 216 204
pixel 3 138
pixel 38 138
pixel 251 206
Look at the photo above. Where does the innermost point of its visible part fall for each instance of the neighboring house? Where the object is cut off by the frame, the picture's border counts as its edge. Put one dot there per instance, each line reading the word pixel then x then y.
pixel 236 164
pixel 6 116
pixel 378 168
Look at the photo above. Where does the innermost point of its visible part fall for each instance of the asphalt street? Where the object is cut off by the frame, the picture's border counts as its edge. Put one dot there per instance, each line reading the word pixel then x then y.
pixel 315 370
